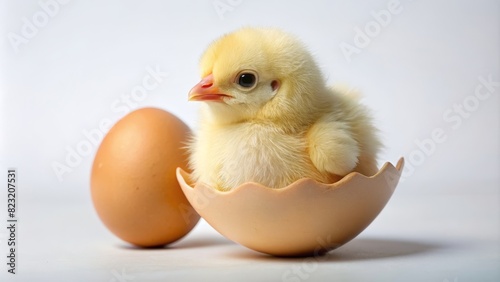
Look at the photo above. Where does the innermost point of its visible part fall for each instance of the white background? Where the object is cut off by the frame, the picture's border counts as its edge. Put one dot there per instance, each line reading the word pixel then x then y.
pixel 69 74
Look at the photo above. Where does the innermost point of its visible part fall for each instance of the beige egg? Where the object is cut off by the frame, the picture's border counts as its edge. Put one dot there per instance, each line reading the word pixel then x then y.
pixel 133 182
pixel 304 218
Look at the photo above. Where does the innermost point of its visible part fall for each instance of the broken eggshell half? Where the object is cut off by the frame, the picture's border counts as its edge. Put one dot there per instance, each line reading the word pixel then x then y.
pixel 304 218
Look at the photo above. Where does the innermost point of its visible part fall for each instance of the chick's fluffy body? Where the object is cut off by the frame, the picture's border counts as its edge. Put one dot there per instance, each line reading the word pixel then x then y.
pixel 277 135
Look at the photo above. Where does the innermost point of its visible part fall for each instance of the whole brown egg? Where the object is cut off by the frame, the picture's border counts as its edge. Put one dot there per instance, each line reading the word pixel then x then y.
pixel 133 183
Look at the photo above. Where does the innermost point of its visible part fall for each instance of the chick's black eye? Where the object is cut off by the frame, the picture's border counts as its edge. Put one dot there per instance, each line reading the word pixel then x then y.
pixel 247 80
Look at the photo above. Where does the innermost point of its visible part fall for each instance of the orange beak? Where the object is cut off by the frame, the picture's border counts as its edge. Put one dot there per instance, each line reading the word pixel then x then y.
pixel 206 91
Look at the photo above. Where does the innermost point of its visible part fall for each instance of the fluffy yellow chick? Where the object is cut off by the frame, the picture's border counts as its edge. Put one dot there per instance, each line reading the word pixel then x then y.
pixel 269 118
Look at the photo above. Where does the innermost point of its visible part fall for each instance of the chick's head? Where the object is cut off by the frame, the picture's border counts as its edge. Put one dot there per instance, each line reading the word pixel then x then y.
pixel 255 72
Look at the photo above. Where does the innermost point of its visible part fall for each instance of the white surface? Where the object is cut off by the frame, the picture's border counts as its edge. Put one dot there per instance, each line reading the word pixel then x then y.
pixel 72 73
pixel 418 237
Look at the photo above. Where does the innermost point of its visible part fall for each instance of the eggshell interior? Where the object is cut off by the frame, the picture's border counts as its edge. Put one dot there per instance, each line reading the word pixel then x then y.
pixel 304 218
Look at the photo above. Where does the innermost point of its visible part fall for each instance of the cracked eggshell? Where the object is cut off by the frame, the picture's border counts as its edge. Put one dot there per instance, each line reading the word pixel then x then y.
pixel 304 218
pixel 133 182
